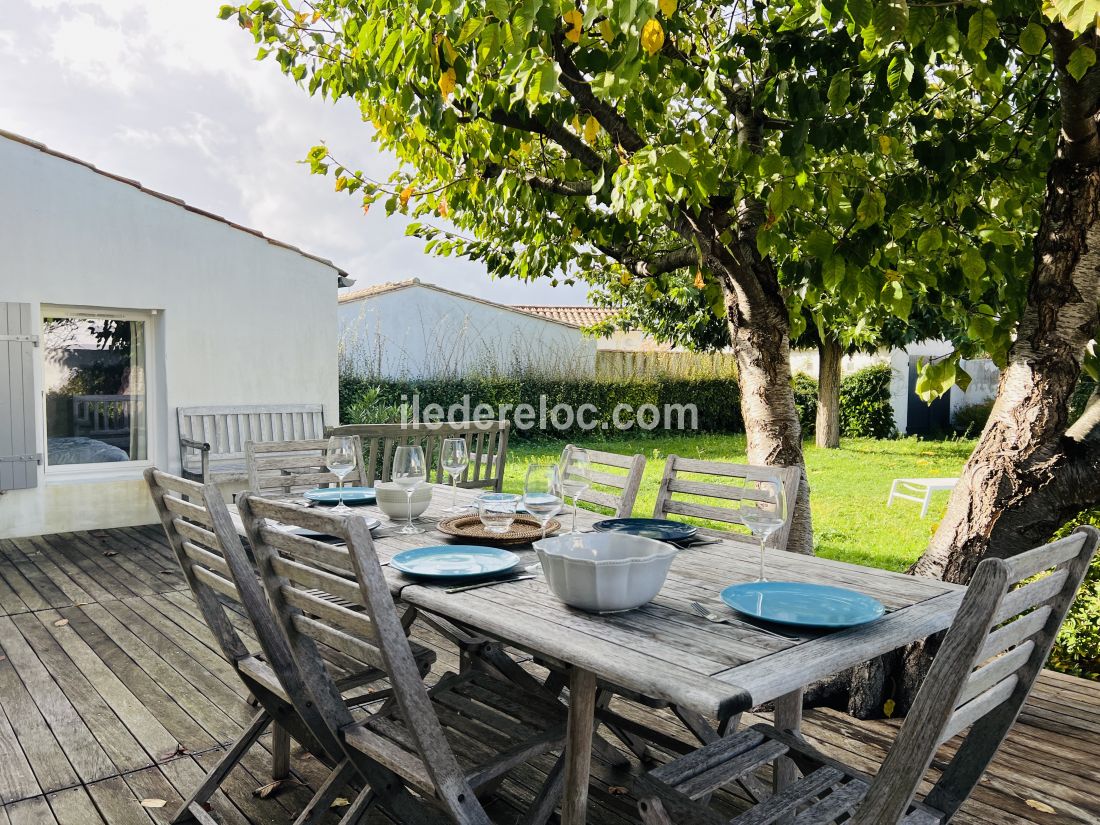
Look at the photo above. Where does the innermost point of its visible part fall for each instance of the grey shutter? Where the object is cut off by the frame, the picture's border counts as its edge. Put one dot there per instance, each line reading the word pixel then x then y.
pixel 18 457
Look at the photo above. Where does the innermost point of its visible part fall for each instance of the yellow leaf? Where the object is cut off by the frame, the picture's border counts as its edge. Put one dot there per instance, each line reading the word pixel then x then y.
pixel 885 144
pixel 341 183
pixel 1039 806
pixel 339 802
pixel 699 282
pixel 576 123
pixel 406 193
pixel 653 37
pixel 448 50
pixel 888 708
pixel 366 208
pixel 573 20
pixel 606 31
pixel 447 82
pixel 316 17
pixel 442 209
pixel 667 7
pixel 626 278
pixel 591 130
pixel 153 803
pixel 61 623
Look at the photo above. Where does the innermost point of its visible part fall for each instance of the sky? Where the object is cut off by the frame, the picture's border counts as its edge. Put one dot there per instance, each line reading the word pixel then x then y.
pixel 163 92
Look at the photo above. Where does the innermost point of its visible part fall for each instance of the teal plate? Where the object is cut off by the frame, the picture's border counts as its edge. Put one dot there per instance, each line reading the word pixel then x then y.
pixel 331 495
pixel 447 561
pixel 803 605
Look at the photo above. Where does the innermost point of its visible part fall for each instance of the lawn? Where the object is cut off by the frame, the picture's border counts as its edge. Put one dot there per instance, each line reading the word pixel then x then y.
pixel 848 487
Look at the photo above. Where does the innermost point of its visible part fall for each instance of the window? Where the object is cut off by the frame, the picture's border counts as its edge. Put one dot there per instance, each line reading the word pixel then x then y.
pixel 95 386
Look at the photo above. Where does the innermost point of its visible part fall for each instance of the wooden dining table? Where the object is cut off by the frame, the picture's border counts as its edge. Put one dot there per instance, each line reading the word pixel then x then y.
pixel 663 650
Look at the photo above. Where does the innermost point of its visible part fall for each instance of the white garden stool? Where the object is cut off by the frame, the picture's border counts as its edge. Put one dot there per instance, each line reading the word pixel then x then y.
pixel 919 490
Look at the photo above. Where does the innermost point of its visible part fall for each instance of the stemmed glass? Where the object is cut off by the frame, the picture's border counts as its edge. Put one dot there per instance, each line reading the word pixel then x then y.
pixel 454 455
pixel 574 476
pixel 542 493
pixel 763 510
pixel 409 470
pixel 340 459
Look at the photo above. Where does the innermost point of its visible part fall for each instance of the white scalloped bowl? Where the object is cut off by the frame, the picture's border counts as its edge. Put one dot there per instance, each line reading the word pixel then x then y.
pixel 605 572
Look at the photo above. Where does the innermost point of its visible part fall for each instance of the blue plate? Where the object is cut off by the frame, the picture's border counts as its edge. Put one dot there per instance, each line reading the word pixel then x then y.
pixel 802 605
pixel 331 495
pixel 450 562
pixel 652 528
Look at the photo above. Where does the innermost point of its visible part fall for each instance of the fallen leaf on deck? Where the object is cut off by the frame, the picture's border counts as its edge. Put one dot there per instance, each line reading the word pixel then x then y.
pixel 110 553
pixel 1039 806
pixel 179 751
pixel 3 658
pixel 339 802
pixel 617 790
pixel 153 803
pixel 61 623
pixel 271 788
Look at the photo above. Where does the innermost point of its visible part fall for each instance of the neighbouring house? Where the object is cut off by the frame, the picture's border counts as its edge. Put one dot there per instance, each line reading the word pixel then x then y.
pixel 414 329
pixel 119 304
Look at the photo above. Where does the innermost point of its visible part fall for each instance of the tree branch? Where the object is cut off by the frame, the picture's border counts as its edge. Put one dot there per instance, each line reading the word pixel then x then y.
pixel 1079 100
pixel 608 117
pixel 651 267
pixel 569 142
pixel 554 186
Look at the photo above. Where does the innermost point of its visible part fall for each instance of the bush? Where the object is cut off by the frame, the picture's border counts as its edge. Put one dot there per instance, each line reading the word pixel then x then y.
pixel 865 408
pixel 717 400
pixel 970 420
pixel 805 400
pixel 1077 648
pixel 370 407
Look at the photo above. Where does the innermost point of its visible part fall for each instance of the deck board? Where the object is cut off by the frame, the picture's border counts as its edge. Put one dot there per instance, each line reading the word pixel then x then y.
pixel 129 699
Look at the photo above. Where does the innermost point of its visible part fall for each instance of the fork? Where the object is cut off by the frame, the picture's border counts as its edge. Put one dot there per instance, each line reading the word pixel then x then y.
pixel 699 610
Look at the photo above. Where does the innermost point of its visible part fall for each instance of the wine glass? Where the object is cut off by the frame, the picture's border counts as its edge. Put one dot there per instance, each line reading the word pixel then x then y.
pixel 454 455
pixel 340 459
pixel 409 470
pixel 574 476
pixel 763 510
pixel 542 493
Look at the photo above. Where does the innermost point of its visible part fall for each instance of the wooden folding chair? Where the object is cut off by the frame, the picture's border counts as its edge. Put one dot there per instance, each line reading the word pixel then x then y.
pixel 444 744
pixel 287 467
pixel 611 488
pixel 978 683
pixel 680 496
pixel 200 530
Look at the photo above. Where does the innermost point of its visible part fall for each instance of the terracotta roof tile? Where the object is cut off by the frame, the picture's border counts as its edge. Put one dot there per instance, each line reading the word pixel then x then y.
pixel 578 316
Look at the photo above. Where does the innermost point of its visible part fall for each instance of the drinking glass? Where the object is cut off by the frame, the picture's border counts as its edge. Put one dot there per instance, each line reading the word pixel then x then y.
pixel 574 476
pixel 763 510
pixel 409 470
pixel 497 511
pixel 340 459
pixel 542 493
pixel 455 458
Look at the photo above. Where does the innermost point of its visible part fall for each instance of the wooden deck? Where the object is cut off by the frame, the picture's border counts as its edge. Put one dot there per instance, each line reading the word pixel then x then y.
pixel 111 693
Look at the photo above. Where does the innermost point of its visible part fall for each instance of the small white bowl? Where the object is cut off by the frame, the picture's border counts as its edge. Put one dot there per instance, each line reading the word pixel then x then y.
pixel 394 501
pixel 605 572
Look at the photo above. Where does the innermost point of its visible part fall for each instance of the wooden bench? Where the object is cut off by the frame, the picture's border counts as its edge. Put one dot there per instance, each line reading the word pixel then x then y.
pixel 212 439
pixel 919 490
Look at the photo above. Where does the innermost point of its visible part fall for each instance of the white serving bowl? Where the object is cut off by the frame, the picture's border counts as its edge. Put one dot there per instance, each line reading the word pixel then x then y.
pixel 605 572
pixel 394 501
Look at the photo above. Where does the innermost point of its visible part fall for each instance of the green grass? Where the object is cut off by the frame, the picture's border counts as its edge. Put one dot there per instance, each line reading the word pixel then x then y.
pixel 848 487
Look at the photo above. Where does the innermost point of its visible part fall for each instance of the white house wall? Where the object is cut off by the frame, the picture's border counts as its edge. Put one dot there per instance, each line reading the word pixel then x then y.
pixel 417 331
pixel 239 320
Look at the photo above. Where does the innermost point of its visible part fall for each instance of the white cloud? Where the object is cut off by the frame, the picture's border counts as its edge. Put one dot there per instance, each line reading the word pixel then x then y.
pixel 164 92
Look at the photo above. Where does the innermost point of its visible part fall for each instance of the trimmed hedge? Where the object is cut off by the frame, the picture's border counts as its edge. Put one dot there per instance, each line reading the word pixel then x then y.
pixel 805 401
pixel 717 400
pixel 865 408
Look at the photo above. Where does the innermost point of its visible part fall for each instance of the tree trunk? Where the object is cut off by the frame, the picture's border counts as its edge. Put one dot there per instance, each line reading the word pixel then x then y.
pixel 761 345
pixel 827 428
pixel 1000 506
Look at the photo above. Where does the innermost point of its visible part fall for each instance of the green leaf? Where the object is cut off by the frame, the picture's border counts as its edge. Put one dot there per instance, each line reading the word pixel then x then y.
pixel 839 89
pixel 897 299
pixel 983 28
pixel 1033 39
pixel 973 264
pixel 1082 59
pixel 930 240
pixel 1077 15
pixel 890 19
pixel 860 11
pixel 934 379
pixel 872 206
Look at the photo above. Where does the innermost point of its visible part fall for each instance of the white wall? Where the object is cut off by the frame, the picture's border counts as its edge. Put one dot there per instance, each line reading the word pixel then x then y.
pixel 983 385
pixel 418 331
pixel 239 320
pixel 805 360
